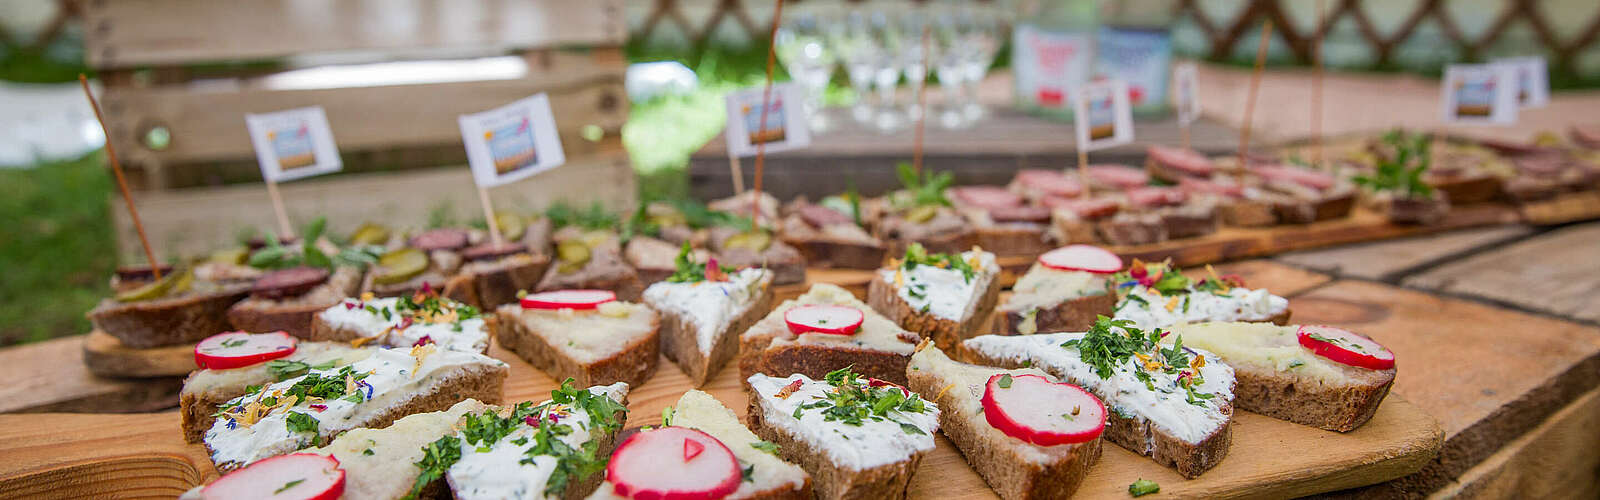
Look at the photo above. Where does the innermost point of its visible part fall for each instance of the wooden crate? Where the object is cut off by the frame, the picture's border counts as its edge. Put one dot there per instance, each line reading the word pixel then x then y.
pixel 194 68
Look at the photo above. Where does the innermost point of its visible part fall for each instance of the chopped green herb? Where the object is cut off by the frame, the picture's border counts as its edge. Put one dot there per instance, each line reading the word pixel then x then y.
pixel 1004 382
pixel 766 446
pixel 1143 487
pixel 288 485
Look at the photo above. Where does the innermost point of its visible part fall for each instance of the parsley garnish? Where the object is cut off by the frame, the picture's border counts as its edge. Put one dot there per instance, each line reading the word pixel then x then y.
pixel 1004 382
pixel 285 370
pixel 234 343
pixel 916 255
pixel 288 485
pixel 1143 487
pixel 766 446
pixel 689 271
pixel 301 423
pixel 437 457
pixel 854 401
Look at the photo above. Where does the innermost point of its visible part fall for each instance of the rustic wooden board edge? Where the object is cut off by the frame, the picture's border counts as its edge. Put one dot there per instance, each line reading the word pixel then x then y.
pixel 106 356
pixel 1564 208
pixel 1556 458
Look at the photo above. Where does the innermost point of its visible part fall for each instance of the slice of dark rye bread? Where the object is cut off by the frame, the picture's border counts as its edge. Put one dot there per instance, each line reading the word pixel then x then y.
pixel 293 314
pixel 482 379
pixel 205 390
pixel 1015 469
pixel 1279 378
pixel 1132 431
pixel 496 281
pixel 622 339
pixel 885 298
pixel 832 480
pixel 880 349
pixel 680 340
pixel 179 319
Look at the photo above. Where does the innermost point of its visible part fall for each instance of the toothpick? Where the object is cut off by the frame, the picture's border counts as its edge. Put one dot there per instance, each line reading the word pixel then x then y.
pixel 122 182
pixel 488 215
pixel 1083 168
pixel 922 101
pixel 737 171
pixel 761 130
pixel 1316 88
pixel 284 229
pixel 1255 85
pixel 1183 134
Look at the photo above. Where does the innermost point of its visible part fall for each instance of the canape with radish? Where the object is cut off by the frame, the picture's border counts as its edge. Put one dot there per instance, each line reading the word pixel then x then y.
pixel 673 462
pixel 568 299
pixel 307 476
pixel 1346 347
pixel 237 349
pixel 1045 413
pixel 832 319
pixel 1086 258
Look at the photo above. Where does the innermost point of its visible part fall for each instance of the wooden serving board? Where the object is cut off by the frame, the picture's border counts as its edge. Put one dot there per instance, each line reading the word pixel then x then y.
pixel 1566 207
pixel 108 357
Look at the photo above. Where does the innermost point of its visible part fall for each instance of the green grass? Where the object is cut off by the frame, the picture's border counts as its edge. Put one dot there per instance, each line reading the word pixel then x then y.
pixel 57 247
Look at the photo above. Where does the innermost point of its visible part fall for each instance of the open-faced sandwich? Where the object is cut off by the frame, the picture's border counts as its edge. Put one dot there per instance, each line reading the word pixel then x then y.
pixel 177 308
pixel 1173 404
pixel 740 249
pixel 824 330
pixel 741 205
pixel 701 451
pixel 1028 436
pixel 832 233
pixel 232 363
pixel 1064 291
pixel 551 450
pixel 431 258
pixel 1158 296
pixel 1301 195
pixel 1320 376
pixel 704 307
pixel 921 213
pixel 422 317
pixel 1006 222
pixel 295 282
pixel 946 297
pixel 590 259
pixel 658 229
pixel 497 271
pixel 583 335
pixel 858 437
pixel 311 409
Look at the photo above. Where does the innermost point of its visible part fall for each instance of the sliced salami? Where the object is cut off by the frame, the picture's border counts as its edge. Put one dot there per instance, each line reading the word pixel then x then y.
pixel 1512 148
pixel 489 251
pixel 1093 208
pixel 1544 165
pixel 986 197
pixel 820 216
pixel 1283 173
pixel 1049 182
pixel 288 282
pixel 1156 196
pixel 1186 160
pixel 1026 213
pixel 1118 176
pixel 440 239
pixel 141 273
pixel 1585 135
pixel 1194 186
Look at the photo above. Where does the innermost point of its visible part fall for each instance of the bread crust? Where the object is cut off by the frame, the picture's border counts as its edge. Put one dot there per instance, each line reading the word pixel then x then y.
pixel 264 315
pixel 1013 239
pixel 167 321
pixel 634 364
pixel 831 481
pixel 945 333
pixel 1284 396
pixel 680 344
pixel 497 283
pixel 829 253
pixel 816 361
pixel 1074 315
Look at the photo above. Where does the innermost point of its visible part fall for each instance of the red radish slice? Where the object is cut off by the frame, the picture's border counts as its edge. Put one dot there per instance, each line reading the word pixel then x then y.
pixel 1088 258
pixel 568 299
pixel 1345 347
pixel 658 464
pixel 236 349
pixel 837 320
pixel 286 477
pixel 1034 409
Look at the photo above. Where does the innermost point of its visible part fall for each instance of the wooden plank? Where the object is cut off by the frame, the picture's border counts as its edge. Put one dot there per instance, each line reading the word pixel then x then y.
pixel 1387 259
pixel 1281 280
pixel 1556 272
pixel 195 222
pixel 1555 460
pixel 50 376
pixel 122 34
pixel 1487 374
pixel 208 125
pixel 1266 458
pixel 105 356
pixel 1564 208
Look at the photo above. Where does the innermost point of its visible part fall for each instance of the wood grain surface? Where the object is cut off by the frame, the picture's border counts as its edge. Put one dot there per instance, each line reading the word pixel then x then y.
pixel 1557 459
pixel 1385 260
pixel 105 356
pixel 1567 207
pixel 50 376
pixel 1557 272
pixel 1488 374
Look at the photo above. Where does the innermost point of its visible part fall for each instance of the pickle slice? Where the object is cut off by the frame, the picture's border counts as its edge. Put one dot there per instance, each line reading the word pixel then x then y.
pixel 922 214
pixel 400 265
pixel 236 256
pixel 370 234
pixel 512 226
pixel 755 241
pixel 172 283
pixel 573 254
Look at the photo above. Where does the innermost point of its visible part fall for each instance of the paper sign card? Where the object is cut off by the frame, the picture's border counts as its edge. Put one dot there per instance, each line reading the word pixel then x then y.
pixel 1102 115
pixel 1186 93
pixel 786 126
pixel 293 143
pixel 1533 80
pixel 512 142
pixel 1480 94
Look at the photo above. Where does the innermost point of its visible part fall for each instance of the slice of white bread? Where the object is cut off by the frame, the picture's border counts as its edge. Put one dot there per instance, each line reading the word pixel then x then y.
pixel 205 390
pixel 769 477
pixel 701 320
pixel 373 392
pixel 404 322
pixel 944 304
pixel 1014 468
pixel 524 461
pixel 875 459
pixel 1053 300
pixel 1280 378
pixel 879 349
pixel 1159 423
pixel 377 462
pixel 616 342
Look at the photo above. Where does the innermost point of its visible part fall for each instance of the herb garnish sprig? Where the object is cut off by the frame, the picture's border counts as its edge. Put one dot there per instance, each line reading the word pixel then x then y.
pixel 856 401
pixel 277 256
pixel 1401 170
pixel 1110 343
pixel 927 189
pixel 916 255
pixel 689 271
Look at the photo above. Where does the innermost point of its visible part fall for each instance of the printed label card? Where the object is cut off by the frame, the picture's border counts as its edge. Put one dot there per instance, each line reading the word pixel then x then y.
pixel 1186 93
pixel 1102 116
pixel 293 144
pixel 786 126
pixel 1480 94
pixel 512 142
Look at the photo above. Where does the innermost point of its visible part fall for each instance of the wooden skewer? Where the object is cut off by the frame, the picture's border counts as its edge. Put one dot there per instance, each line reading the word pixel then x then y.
pixel 1255 86
pixel 922 101
pixel 761 129
pixel 737 172
pixel 1183 135
pixel 122 182
pixel 284 229
pixel 488 216
pixel 1316 88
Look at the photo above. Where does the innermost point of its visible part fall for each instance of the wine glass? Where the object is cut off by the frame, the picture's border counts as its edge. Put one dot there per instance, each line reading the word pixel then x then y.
pixel 884 28
pixel 802 47
pixel 859 53
pixel 981 33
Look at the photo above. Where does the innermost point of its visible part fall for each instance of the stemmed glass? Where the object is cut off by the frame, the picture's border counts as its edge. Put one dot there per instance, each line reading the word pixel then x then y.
pixel 802 47
pixel 980 35
pixel 859 52
pixel 884 27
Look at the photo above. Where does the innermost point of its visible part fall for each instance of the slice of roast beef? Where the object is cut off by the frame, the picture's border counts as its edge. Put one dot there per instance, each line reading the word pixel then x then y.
pixel 1119 177
pixel 1037 184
